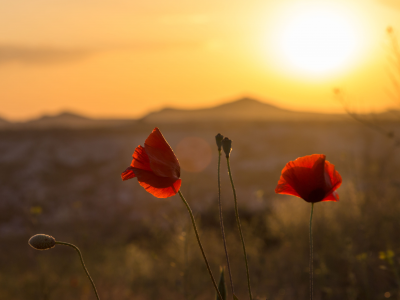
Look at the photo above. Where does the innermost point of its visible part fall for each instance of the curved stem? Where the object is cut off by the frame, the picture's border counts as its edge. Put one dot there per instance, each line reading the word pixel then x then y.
pixel 198 240
pixel 311 253
pixel 83 265
pixel 221 222
pixel 239 227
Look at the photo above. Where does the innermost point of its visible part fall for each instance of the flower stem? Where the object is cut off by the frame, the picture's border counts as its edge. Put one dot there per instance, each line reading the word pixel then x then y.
pixel 83 265
pixel 311 254
pixel 221 222
pixel 239 227
pixel 198 240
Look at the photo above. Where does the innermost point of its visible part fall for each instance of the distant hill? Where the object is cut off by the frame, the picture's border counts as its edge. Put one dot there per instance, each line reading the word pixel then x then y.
pixel 245 109
pixel 2 120
pixel 65 120
pixel 4 123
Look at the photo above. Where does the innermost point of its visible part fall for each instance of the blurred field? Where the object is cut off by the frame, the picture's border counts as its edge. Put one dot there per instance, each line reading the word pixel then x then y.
pixel 66 183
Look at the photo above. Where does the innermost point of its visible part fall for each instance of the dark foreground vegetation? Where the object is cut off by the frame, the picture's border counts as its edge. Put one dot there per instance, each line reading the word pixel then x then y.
pixel 67 183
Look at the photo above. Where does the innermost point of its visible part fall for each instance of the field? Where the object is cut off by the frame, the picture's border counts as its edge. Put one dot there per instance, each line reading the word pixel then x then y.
pixel 66 183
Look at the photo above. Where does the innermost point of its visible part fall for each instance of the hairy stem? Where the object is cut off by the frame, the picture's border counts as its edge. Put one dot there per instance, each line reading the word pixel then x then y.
pixel 239 227
pixel 198 240
pixel 221 222
pixel 83 265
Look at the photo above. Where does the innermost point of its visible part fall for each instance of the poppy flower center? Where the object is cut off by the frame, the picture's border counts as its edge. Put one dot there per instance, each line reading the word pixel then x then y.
pixel 316 195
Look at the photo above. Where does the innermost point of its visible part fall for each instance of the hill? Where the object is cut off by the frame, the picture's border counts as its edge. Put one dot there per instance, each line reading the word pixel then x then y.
pixel 245 109
pixel 67 120
pixel 3 122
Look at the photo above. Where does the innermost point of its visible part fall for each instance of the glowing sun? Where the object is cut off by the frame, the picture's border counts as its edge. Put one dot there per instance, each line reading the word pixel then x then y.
pixel 318 39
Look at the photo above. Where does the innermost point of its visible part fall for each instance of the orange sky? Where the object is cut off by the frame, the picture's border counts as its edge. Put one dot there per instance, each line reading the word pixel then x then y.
pixel 125 58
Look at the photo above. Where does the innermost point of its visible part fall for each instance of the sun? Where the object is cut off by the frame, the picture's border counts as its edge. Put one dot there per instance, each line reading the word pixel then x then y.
pixel 318 39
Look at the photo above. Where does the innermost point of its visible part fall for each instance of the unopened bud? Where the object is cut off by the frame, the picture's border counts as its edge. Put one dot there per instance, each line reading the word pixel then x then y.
pixel 227 146
pixel 218 138
pixel 42 242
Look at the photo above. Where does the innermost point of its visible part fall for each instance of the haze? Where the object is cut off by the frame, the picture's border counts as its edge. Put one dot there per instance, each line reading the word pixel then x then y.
pixel 123 59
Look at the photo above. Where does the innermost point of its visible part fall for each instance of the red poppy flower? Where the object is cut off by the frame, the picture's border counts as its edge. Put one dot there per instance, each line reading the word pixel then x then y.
pixel 155 166
pixel 311 178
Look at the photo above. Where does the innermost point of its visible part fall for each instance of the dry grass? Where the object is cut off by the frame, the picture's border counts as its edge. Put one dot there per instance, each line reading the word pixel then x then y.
pixel 66 184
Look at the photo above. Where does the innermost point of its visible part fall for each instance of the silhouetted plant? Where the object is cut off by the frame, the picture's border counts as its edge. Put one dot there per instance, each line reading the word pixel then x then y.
pixel 46 242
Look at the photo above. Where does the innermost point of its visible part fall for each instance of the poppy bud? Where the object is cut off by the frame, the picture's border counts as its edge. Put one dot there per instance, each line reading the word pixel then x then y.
pixel 42 242
pixel 227 146
pixel 218 138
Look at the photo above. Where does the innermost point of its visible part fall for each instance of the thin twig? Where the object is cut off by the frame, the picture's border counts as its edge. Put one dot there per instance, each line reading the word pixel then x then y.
pixel 221 222
pixel 240 228
pixel 198 240
pixel 83 265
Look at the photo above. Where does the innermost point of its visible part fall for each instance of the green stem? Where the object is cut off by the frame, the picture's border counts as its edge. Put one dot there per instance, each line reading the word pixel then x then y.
pixel 201 247
pixel 311 254
pixel 239 227
pixel 221 222
pixel 83 265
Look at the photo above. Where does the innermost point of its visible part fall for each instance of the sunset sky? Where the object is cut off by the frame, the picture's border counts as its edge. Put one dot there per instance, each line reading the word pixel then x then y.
pixel 123 59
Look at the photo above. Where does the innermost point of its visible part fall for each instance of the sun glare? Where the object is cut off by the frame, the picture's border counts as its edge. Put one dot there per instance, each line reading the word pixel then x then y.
pixel 318 39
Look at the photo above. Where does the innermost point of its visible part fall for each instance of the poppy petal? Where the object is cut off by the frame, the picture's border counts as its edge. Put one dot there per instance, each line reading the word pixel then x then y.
pixel 335 178
pixel 286 189
pixel 140 159
pixel 160 187
pixel 332 197
pixel 307 161
pixel 163 161
pixel 305 176
pixel 311 178
pixel 128 174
